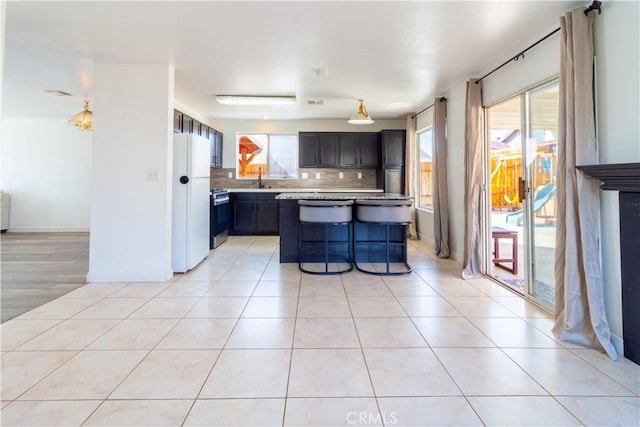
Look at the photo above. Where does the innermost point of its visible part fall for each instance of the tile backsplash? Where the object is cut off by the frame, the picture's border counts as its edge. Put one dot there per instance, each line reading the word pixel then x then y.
pixel 329 178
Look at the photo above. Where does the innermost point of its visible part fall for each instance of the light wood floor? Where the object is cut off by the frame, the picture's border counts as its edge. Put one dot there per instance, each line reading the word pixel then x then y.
pixel 39 267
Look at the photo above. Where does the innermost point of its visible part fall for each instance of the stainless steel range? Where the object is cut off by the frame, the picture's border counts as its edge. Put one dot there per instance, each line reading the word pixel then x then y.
pixel 219 217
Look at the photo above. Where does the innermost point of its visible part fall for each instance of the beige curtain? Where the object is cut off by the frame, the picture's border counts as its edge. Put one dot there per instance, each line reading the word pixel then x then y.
pixel 579 307
pixel 410 174
pixel 473 178
pixel 440 191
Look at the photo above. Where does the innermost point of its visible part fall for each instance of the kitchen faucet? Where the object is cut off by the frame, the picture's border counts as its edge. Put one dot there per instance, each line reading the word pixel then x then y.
pixel 260 183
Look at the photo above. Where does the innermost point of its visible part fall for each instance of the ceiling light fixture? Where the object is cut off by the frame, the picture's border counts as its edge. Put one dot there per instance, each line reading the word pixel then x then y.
pixel 256 99
pixel 58 93
pixel 361 117
pixel 83 119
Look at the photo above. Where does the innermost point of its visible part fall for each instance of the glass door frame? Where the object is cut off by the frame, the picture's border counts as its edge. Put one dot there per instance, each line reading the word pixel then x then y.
pixel 527 171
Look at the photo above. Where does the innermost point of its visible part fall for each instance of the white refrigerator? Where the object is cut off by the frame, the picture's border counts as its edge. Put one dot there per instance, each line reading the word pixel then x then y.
pixel 191 205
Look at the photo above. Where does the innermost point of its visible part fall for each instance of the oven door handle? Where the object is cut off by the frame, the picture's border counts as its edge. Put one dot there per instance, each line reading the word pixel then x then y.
pixel 223 200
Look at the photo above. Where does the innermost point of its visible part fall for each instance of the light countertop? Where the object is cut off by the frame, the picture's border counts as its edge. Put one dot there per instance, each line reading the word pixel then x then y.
pixel 304 190
pixel 342 196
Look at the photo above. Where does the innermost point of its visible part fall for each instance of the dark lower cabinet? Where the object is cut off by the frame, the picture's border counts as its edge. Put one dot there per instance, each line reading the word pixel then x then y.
pixel 243 213
pixel 253 214
pixel 267 213
pixel 369 236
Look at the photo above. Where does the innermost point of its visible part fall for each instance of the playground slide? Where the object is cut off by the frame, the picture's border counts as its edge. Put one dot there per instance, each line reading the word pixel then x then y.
pixel 541 198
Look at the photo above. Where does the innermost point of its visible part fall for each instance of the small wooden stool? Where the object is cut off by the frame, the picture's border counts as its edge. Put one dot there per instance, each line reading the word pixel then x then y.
pixel 501 233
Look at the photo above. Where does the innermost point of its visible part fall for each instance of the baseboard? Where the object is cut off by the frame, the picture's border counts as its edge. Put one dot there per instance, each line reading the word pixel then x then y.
pixel 133 276
pixel 431 242
pixel 63 229
pixel 428 240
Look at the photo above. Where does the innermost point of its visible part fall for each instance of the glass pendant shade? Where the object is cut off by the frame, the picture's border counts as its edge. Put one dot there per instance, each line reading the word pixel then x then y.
pixel 361 117
pixel 83 119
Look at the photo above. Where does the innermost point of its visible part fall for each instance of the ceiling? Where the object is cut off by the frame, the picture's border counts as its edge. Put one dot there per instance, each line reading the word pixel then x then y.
pixel 396 55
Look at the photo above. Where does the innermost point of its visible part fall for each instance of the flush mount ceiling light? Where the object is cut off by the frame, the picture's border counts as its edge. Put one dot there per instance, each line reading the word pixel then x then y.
pixel 83 119
pixel 361 117
pixel 256 99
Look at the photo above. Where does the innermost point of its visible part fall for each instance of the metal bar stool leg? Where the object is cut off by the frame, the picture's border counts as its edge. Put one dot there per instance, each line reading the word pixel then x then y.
pixel 384 213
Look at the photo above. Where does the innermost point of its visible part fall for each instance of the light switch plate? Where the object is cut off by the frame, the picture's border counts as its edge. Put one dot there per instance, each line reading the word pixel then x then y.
pixel 317 175
pixel 359 175
pixel 230 175
pixel 340 175
pixel 305 175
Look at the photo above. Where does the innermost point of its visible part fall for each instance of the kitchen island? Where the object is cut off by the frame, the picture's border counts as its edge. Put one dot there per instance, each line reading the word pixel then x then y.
pixel 371 252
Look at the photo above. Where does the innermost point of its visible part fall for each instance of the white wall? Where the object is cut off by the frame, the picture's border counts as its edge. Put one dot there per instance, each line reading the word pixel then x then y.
pixel 3 14
pixel 617 45
pixel 46 166
pixel 229 128
pixel 133 133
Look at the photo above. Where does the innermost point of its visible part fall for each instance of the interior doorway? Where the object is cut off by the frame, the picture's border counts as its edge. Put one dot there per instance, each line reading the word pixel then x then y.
pixel 520 191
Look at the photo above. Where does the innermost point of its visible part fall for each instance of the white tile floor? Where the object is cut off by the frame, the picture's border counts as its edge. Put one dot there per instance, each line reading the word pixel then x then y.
pixel 244 340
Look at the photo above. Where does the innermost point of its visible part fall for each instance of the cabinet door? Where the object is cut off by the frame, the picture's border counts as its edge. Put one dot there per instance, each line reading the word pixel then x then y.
pixel 308 150
pixel 393 142
pixel 328 144
pixel 243 213
pixel 177 121
pixel 349 150
pixel 369 150
pixel 187 124
pixel 215 138
pixel 204 131
pixel 218 148
pixel 266 213
pixel 394 181
pixel 195 127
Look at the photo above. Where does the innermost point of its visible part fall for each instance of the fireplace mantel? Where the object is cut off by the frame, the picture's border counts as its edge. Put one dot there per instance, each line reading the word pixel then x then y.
pixel 625 178
pixel 615 176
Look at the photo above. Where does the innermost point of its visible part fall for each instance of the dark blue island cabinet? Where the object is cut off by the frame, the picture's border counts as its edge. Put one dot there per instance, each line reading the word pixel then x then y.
pixel 371 237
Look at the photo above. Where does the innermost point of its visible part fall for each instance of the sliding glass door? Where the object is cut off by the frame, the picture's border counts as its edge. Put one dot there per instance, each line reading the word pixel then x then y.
pixel 520 191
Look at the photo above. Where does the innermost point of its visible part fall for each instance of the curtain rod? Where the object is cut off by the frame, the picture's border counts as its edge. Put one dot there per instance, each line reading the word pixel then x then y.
pixel 596 5
pixel 441 99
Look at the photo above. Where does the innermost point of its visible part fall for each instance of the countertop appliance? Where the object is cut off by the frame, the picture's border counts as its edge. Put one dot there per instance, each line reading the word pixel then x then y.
pixel 190 207
pixel 219 217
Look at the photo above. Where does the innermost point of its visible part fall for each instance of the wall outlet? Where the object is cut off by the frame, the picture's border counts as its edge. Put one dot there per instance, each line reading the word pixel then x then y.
pixel 317 175
pixel 305 175
pixel 359 175
pixel 153 175
pixel 230 175
pixel 341 175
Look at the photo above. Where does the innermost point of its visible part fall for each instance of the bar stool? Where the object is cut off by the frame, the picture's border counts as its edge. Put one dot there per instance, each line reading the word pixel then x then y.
pixel 387 214
pixel 330 216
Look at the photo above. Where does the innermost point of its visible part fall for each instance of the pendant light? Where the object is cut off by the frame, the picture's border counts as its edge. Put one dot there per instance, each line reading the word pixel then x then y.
pixel 361 117
pixel 83 119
